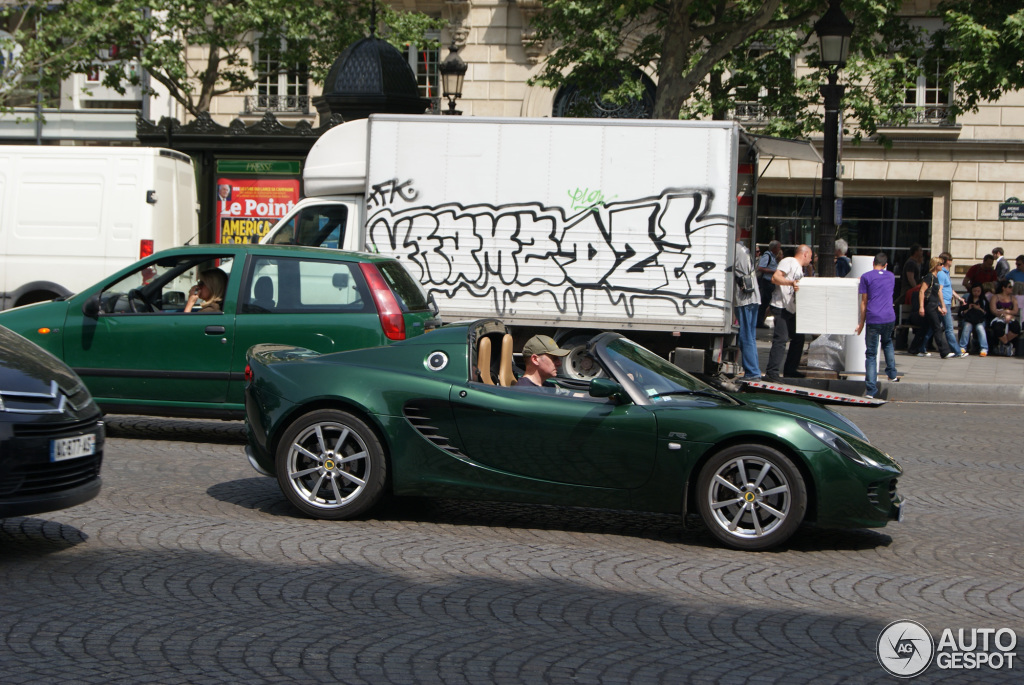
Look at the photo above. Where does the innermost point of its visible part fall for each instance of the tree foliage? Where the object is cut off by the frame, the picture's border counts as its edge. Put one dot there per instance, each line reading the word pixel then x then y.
pixel 709 56
pixel 198 49
pixel 982 46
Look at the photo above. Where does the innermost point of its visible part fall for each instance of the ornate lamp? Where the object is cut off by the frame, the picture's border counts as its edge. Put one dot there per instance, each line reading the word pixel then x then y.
pixel 453 71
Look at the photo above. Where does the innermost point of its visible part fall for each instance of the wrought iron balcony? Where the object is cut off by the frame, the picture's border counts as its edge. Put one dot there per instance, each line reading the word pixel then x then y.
pixel 751 112
pixel 295 104
pixel 929 115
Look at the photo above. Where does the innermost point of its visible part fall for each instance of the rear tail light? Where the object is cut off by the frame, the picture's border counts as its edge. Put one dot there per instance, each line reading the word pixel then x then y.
pixel 248 373
pixel 391 318
pixel 145 248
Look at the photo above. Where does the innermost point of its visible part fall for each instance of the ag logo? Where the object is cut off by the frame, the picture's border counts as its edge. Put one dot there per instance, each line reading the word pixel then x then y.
pixel 905 648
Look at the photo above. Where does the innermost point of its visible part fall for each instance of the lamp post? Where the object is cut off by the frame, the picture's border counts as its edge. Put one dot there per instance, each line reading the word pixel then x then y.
pixel 834 31
pixel 453 71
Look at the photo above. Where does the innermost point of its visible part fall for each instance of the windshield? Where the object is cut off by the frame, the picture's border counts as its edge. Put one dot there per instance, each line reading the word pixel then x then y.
pixel 656 378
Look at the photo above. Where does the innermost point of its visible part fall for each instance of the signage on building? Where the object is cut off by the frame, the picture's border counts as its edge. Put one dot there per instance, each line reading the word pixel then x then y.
pixel 1011 210
pixel 252 195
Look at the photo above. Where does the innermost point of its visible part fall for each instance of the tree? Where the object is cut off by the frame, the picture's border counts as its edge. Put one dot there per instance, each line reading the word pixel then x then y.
pixel 709 54
pixel 987 39
pixel 198 49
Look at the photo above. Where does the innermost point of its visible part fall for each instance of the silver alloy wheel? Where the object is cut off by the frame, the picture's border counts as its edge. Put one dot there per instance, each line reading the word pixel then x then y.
pixel 328 465
pixel 749 497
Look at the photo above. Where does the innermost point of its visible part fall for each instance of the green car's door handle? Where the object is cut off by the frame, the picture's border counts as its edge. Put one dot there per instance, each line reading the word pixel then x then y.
pixel 215 330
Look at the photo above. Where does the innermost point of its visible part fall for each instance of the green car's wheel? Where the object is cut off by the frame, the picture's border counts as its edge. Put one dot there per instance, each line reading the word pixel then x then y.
pixel 330 465
pixel 751 497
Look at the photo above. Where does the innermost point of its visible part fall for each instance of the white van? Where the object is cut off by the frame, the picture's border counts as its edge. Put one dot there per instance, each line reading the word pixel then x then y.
pixel 71 215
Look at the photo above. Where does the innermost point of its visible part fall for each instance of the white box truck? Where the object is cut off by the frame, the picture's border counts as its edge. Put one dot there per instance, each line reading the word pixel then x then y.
pixel 70 215
pixel 562 226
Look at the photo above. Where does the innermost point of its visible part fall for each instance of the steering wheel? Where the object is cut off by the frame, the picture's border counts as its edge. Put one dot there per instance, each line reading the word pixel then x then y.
pixel 134 294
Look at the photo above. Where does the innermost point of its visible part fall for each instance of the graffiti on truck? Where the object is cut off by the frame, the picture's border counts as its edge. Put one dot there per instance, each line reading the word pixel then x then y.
pixel 528 252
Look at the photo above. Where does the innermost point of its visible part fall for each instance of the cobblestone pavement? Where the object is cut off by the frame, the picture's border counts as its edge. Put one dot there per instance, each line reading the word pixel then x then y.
pixel 190 568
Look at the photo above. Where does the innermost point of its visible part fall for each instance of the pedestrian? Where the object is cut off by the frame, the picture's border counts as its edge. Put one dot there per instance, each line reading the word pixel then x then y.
pixel 790 271
pixel 974 315
pixel 1017 274
pixel 983 272
pixel 1002 266
pixel 766 266
pixel 949 296
pixel 1005 323
pixel 930 306
pixel 910 276
pixel 843 264
pixel 747 297
pixel 876 312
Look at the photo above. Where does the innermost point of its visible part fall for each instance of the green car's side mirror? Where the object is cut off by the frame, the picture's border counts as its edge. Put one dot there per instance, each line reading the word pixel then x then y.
pixel 603 387
pixel 91 307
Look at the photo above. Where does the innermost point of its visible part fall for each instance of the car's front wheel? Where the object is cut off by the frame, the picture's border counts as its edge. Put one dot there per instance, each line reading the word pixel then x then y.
pixel 751 497
pixel 331 465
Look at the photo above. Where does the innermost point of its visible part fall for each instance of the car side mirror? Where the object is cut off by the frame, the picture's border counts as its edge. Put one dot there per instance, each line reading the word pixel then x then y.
pixel 91 307
pixel 432 303
pixel 603 387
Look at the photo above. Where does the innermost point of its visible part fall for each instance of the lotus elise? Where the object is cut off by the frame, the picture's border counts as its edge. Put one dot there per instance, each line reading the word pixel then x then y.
pixel 438 415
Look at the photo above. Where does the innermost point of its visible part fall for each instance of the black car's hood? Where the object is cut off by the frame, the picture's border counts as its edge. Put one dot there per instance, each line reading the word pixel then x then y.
pixel 26 367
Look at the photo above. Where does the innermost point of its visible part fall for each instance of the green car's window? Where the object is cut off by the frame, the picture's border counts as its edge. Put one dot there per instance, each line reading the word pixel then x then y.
pixel 655 377
pixel 409 293
pixel 159 286
pixel 289 285
pixel 315 227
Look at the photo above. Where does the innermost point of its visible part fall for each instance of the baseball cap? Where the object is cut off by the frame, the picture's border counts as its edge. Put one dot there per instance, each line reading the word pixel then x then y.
pixel 542 344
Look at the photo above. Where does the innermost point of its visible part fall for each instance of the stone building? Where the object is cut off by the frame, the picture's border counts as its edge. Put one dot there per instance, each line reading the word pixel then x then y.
pixel 942 183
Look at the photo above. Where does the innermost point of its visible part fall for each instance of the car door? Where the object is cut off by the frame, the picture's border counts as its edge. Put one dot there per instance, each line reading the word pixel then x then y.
pixel 141 346
pixel 320 304
pixel 560 438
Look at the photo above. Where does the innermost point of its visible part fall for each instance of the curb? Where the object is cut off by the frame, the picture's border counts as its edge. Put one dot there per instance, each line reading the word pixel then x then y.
pixel 904 391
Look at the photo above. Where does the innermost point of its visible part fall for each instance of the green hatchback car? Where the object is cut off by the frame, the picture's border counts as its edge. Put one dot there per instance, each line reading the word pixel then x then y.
pixel 138 350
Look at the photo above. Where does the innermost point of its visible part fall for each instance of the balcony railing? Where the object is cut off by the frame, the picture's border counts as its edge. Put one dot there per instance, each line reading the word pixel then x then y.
pixel 292 104
pixel 930 115
pixel 751 112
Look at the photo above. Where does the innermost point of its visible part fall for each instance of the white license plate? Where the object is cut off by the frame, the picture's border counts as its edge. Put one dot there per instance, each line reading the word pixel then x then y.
pixel 72 448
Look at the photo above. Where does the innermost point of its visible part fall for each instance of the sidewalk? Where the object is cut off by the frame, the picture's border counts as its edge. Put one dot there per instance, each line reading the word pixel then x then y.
pixel 973 379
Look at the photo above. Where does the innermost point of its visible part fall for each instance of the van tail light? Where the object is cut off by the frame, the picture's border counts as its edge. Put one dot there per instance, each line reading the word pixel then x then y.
pixel 391 318
pixel 145 248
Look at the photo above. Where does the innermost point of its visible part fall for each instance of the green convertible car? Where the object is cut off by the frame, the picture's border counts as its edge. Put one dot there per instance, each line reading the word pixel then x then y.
pixel 429 416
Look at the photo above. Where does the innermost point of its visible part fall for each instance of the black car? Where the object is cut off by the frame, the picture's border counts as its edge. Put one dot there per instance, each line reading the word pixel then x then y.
pixel 51 432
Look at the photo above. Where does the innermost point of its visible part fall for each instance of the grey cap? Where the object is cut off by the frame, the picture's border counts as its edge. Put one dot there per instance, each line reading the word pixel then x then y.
pixel 542 344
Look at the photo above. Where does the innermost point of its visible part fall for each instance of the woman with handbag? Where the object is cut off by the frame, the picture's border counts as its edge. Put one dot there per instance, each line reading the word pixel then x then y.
pixel 931 307
pixel 1006 312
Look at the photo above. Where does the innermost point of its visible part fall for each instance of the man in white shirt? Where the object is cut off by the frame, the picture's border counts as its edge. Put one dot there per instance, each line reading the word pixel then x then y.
pixel 790 271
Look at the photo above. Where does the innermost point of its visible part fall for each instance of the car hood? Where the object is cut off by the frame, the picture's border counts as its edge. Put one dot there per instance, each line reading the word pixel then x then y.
pixel 803 408
pixel 26 367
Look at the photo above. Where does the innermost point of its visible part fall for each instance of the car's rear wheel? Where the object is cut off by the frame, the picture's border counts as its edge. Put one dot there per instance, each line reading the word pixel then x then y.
pixel 330 465
pixel 751 497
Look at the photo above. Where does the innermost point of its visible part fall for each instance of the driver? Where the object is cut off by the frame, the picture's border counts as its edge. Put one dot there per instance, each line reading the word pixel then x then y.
pixel 543 358
pixel 210 289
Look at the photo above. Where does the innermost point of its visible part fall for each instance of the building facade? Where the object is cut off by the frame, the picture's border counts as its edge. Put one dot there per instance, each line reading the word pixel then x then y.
pixel 948 185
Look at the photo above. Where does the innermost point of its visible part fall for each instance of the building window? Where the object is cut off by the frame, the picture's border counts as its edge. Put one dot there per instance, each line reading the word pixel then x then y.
pixel 279 87
pixel 762 64
pixel 571 101
pixel 929 97
pixel 423 62
pixel 870 224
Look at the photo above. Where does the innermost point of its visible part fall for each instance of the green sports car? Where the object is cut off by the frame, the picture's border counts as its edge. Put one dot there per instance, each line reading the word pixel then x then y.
pixel 429 416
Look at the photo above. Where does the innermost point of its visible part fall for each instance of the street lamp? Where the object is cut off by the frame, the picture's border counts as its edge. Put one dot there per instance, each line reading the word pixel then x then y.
pixel 453 71
pixel 834 31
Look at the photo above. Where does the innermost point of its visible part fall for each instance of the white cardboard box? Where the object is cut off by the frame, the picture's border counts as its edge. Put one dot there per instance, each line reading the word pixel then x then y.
pixel 827 305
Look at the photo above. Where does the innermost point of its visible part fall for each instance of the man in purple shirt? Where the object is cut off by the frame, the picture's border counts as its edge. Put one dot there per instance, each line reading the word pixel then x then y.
pixel 876 310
